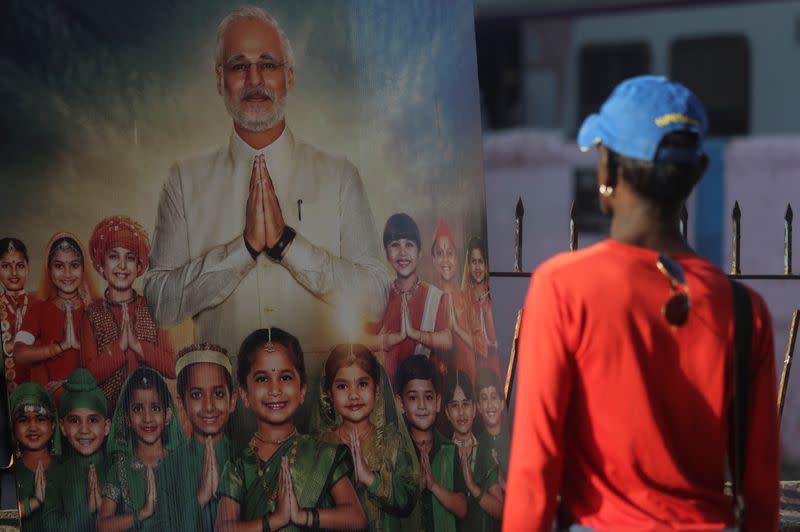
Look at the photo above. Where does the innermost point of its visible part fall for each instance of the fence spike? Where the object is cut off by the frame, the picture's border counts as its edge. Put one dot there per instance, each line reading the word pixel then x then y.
pixel 736 217
pixel 787 239
pixel 573 228
pixel 684 220
pixel 518 214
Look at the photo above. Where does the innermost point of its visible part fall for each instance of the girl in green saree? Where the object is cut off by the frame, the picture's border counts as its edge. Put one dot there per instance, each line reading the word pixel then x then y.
pixel 37 438
pixel 144 488
pixel 283 479
pixel 356 407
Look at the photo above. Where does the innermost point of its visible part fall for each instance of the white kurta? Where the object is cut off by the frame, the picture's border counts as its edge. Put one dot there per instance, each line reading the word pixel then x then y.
pixel 331 278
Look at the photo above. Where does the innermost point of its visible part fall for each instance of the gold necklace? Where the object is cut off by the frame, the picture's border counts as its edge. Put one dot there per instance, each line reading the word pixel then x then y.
pixel 271 496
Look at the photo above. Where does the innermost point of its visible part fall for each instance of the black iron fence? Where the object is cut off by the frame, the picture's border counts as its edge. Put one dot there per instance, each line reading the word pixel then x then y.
pixel 735 273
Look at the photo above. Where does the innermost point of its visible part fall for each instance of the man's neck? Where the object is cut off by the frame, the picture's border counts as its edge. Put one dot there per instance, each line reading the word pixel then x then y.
pixel 459 437
pixel 260 139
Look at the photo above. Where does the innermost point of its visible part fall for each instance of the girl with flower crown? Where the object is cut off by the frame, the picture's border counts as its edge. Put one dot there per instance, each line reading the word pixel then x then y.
pixel 14 305
pixel 48 338
pixel 283 479
pixel 356 407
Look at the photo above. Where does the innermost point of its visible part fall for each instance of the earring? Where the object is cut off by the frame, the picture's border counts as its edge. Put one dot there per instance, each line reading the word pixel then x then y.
pixel 606 191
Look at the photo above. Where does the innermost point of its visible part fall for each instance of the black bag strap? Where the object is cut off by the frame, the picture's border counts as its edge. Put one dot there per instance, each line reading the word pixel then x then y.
pixel 742 338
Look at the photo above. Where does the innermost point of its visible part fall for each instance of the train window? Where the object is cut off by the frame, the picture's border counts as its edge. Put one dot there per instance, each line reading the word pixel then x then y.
pixel 498 46
pixel 602 66
pixel 717 69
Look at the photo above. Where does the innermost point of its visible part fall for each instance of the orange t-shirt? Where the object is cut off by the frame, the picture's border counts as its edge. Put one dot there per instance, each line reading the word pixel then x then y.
pixel 625 417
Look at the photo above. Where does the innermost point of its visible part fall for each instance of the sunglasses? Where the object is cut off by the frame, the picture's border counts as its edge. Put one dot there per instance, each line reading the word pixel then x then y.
pixel 676 309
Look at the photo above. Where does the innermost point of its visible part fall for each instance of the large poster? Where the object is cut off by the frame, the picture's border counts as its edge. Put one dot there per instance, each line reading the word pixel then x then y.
pixel 244 271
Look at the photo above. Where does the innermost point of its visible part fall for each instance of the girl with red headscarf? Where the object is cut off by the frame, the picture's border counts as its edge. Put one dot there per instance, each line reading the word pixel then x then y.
pixel 48 337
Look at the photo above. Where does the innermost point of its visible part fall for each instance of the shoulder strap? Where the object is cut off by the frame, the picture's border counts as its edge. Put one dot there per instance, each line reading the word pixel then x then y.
pixel 742 337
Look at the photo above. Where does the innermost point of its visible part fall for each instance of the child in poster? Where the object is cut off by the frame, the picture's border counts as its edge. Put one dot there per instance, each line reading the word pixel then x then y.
pixel 205 386
pixel 445 262
pixel 48 338
pixel 14 304
pixel 84 425
pixel 119 334
pixel 475 284
pixel 144 488
pixel 283 478
pixel 443 499
pixel 36 435
pixel 491 405
pixel 356 407
pixel 416 321
pixel 485 503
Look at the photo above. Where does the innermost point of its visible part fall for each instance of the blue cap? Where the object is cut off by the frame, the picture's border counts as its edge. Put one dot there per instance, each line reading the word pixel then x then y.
pixel 639 113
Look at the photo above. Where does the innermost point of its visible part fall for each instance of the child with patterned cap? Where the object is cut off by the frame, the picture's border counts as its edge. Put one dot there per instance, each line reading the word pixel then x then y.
pixel 205 386
pixel 37 440
pixel 84 423
pixel 119 334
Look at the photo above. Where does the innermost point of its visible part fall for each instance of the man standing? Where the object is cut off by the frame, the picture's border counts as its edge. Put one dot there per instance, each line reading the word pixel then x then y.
pixel 626 351
pixel 268 230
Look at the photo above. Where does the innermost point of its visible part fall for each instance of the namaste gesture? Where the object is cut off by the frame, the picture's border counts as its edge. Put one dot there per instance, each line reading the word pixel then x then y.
pixel 210 477
pixel 70 340
pixel 93 491
pixel 263 216
pixel 127 338
pixel 364 474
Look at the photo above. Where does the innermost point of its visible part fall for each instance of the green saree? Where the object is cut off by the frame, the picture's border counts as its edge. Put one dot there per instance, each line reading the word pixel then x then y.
pixel 126 476
pixel 44 519
pixel 318 467
pixel 388 503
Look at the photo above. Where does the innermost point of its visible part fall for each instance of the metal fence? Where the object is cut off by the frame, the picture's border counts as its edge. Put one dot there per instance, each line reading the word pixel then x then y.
pixel 735 273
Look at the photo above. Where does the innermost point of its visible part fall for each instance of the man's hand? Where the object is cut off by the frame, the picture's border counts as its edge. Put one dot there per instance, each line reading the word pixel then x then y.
pixel 272 208
pixel 254 224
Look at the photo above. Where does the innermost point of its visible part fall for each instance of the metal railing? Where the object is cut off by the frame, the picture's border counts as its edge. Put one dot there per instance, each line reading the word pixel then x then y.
pixel 735 273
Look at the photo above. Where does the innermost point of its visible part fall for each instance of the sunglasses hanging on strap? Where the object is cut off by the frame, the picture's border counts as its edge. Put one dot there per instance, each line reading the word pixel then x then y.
pixel 742 337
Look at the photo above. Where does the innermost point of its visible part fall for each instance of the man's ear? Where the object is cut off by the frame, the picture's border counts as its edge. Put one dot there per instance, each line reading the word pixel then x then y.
pixel 289 79
pixel 106 427
pixel 303 391
pixel 218 72
pixel 168 417
pixel 399 401
pixel 438 403
pixel 61 426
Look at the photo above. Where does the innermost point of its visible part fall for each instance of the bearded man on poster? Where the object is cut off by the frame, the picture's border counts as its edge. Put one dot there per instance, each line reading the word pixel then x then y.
pixel 267 230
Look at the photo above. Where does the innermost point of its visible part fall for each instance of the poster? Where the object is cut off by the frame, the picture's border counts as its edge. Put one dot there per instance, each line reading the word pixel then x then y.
pixel 244 268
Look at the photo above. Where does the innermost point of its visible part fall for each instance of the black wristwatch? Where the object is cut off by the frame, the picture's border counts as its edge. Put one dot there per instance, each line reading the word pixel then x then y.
pixel 286 238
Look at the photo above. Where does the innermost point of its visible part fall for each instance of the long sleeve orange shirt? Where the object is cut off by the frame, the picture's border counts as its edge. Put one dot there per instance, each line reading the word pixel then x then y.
pixel 625 418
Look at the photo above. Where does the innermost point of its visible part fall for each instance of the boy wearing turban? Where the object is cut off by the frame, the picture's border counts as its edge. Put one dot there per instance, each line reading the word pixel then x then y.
pixel 84 422
pixel 119 334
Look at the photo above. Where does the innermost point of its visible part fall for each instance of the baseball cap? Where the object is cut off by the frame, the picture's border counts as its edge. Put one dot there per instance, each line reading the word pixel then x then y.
pixel 640 112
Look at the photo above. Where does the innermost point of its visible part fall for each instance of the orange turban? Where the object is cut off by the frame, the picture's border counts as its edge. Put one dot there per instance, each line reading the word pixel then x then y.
pixel 119 231
pixel 443 230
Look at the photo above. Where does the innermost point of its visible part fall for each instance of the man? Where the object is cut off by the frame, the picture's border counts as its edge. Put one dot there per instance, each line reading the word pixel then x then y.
pixel 626 350
pixel 266 231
